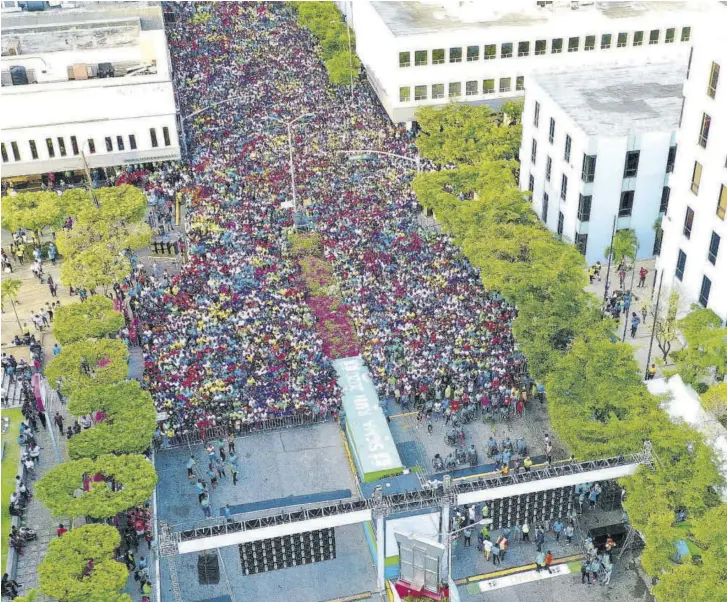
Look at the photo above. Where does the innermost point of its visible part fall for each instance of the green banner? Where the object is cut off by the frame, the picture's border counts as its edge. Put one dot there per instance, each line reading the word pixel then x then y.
pixel 368 431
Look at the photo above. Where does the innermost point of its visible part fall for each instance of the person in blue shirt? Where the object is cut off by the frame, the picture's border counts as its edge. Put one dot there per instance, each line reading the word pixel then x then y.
pixel 557 529
pixel 56 349
pixel 228 513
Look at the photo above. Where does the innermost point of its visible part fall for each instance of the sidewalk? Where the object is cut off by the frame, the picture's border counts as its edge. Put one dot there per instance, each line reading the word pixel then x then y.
pixel 641 296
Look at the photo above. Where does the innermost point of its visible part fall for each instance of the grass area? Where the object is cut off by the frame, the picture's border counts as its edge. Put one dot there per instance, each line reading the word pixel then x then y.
pixel 9 470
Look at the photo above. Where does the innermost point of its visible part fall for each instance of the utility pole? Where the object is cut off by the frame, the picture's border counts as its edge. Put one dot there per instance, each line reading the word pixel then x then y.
pixel 608 271
pixel 653 326
pixel 631 293
pixel 89 179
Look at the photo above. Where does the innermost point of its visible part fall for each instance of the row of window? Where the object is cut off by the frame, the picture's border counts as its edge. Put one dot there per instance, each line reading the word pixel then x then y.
pixel 60 144
pixel 706 287
pixel 454 89
pixel 457 54
pixel 697 180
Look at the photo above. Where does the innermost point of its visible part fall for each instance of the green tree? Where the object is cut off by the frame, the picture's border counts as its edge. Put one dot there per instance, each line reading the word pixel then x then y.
pixel 128 424
pixel 10 291
pixel 117 204
pixel 95 267
pixel 61 488
pixel 64 573
pixel 32 211
pixel 705 355
pixel 342 67
pixel 625 246
pixel 665 327
pixel 105 363
pixel 465 134
pixel 715 400
pixel 93 319
pixel 29 596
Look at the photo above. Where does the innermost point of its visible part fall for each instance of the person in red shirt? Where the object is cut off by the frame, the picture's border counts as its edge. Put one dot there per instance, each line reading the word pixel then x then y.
pixel 548 561
pixel 60 530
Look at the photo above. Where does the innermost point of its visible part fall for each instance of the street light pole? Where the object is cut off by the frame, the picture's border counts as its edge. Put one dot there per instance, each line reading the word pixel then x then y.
pixel 361 151
pixel 88 177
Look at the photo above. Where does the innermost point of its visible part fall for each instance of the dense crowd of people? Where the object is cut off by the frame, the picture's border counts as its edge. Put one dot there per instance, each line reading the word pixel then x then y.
pixel 228 340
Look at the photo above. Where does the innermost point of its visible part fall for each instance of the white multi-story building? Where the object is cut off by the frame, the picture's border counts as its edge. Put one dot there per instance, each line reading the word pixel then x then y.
pixel 598 145
pixel 92 81
pixel 694 253
pixel 421 53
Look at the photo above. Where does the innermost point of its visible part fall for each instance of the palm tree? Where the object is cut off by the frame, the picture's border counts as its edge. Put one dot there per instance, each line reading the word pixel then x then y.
pixel 10 290
pixel 625 245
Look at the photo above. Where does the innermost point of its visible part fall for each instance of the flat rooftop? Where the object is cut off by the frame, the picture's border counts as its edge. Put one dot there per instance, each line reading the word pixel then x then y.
pixel 619 101
pixel 150 14
pixel 405 18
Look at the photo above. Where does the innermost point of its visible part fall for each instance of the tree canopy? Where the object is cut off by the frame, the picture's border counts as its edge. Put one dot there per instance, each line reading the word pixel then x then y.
pixel 62 572
pixel 33 211
pixel 106 360
pixel 128 424
pixel 61 488
pixel 705 355
pixel 93 319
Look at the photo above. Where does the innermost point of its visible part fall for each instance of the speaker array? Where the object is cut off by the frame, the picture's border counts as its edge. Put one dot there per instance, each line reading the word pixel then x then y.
pixel 289 550
pixel 530 507
pixel 208 569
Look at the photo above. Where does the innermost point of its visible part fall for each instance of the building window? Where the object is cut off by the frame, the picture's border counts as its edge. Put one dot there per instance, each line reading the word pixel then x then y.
pixel 421 58
pixel 590 43
pixel 74 145
pixel 704 291
pixel 573 44
pixel 713 248
pixel 681 264
pixel 548 168
pixel 490 52
pixel 561 221
pixel 540 47
pixel 420 93
pixel 671 159
pixel 455 89
pixel 4 153
pixel 438 56
pixel 584 208
pixel 631 165
pixel 696 177
pixel 665 194
pixel 470 87
pixel 16 151
pixel 588 173
pixel 704 130
pixel 109 144
pixel 33 149
pixel 688 222
pixel 536 114
pixel 49 146
pixel 534 151
pixel 686 33
pixel 155 142
pixel 563 186
pixel 505 84
pixel 167 138
pixel 669 37
pixel 531 184
pixel 626 204
pixel 638 38
pixel 132 142
pixel 722 202
pixel 455 55
pixel 713 79
pixel 523 49
pixel 473 53
pixel 653 37
pixel 488 86
pixel 91 146
pixel 405 59
pixel 544 214
pixel 622 40
pixel 120 142
pixel 658 237
pixel 605 41
pixel 62 146
pixel 520 82
pixel 437 90
pixel 566 154
pixel 556 46
pixel 506 50
pixel 551 131
pixel 582 243
pixel 405 94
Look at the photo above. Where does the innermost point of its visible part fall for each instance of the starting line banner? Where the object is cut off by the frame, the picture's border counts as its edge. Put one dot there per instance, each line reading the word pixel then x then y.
pixel 366 426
